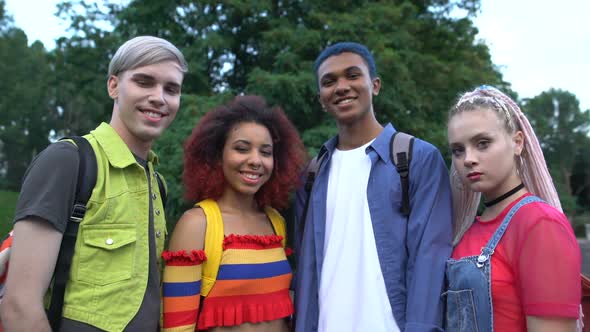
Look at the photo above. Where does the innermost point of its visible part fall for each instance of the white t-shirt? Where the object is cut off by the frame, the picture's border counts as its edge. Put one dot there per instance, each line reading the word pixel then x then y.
pixel 352 295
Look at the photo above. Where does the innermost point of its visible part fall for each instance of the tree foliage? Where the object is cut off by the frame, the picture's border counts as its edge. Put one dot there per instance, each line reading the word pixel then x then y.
pixel 562 128
pixel 26 103
pixel 426 55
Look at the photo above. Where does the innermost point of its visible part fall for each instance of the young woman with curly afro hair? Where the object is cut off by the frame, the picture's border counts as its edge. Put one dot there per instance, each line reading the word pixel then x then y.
pixel 242 161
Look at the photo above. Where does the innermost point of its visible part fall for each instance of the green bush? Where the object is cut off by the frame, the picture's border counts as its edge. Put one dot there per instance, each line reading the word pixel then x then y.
pixel 579 224
pixel 7 204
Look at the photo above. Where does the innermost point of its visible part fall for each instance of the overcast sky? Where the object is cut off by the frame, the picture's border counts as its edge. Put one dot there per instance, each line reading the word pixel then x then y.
pixel 538 44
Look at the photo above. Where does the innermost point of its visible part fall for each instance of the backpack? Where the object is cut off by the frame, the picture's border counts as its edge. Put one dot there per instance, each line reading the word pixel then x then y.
pixel 214 240
pixel 401 154
pixel 87 170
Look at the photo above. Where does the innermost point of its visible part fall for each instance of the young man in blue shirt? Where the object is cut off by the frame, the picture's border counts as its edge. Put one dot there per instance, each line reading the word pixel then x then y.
pixel 362 264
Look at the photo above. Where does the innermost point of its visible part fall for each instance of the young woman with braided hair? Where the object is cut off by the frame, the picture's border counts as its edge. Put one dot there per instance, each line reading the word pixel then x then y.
pixel 517 266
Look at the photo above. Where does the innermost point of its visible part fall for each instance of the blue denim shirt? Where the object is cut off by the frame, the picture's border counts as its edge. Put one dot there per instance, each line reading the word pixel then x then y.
pixel 412 251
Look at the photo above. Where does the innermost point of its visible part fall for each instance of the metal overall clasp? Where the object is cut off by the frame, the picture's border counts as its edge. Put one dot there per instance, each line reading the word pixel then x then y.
pixel 484 256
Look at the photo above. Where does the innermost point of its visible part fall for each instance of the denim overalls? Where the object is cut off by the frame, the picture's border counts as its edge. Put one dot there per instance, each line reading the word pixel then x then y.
pixel 469 288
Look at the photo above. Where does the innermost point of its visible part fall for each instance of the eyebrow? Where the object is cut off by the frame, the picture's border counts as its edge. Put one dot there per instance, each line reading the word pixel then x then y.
pixel 346 70
pixel 142 76
pixel 481 135
pixel 147 77
pixel 241 140
pixel 475 138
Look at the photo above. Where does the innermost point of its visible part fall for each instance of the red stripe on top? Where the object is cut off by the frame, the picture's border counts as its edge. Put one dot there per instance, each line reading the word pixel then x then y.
pixel 182 258
pixel 234 241
pixel 180 318
pixel 237 310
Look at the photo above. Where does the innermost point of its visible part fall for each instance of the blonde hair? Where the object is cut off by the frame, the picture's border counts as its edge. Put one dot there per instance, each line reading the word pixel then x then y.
pixel 530 165
pixel 144 51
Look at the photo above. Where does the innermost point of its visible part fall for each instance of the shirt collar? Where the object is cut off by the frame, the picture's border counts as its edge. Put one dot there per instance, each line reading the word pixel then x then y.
pixel 380 145
pixel 114 147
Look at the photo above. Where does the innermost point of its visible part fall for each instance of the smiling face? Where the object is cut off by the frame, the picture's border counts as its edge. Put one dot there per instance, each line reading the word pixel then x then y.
pixel 247 159
pixel 484 152
pixel 146 101
pixel 346 87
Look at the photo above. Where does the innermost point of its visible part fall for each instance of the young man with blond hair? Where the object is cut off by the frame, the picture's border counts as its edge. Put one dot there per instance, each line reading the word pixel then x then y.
pixel 114 281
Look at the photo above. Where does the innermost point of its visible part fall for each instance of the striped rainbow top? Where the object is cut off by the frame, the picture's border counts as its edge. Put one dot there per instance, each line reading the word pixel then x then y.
pixel 181 289
pixel 252 283
pixel 252 286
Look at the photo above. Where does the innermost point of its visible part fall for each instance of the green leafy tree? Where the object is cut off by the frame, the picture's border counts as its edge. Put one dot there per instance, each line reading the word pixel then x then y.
pixel 81 66
pixel 425 57
pixel 181 22
pixel 5 19
pixel 26 103
pixel 562 129
pixel 170 147
pixel 580 179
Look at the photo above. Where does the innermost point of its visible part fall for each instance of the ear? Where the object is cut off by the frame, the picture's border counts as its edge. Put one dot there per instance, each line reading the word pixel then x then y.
pixel 376 82
pixel 113 86
pixel 518 139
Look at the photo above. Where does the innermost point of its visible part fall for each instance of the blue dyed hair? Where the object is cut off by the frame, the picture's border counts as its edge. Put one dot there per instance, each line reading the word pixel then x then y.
pixel 344 47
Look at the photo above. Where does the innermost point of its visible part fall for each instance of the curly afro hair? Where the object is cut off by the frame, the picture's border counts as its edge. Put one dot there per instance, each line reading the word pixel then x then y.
pixel 203 177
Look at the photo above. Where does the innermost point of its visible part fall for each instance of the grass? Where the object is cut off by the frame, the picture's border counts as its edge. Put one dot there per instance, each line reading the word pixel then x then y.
pixel 7 204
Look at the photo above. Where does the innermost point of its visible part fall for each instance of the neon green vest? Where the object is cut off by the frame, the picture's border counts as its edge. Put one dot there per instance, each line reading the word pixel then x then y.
pixel 110 267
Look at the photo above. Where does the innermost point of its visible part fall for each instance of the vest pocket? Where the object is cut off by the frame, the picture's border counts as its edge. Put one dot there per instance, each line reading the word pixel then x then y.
pixel 106 253
pixel 460 314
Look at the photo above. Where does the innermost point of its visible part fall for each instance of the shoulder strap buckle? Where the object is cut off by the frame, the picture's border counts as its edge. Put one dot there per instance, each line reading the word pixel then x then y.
pixel 78 212
pixel 401 154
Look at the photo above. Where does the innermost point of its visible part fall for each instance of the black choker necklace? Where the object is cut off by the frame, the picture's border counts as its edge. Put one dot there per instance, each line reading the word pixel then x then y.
pixel 503 197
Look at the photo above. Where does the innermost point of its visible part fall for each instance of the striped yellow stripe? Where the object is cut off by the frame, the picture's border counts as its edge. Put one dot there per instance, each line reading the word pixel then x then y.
pixel 182 273
pixel 252 256
pixel 185 328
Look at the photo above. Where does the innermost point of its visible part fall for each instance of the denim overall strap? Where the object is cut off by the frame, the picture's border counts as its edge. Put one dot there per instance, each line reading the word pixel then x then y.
pixel 489 248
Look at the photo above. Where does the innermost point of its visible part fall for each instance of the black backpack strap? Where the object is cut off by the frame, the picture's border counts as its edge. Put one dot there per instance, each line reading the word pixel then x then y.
pixel 162 188
pixel 401 154
pixel 87 170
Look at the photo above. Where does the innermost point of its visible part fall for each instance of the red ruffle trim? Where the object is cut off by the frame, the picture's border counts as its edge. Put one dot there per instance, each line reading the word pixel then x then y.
pixel 288 251
pixel 181 257
pixel 237 310
pixel 252 241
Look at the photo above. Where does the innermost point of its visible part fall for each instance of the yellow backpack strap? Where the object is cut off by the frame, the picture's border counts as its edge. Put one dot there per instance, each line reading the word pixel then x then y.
pixel 278 223
pixel 213 244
